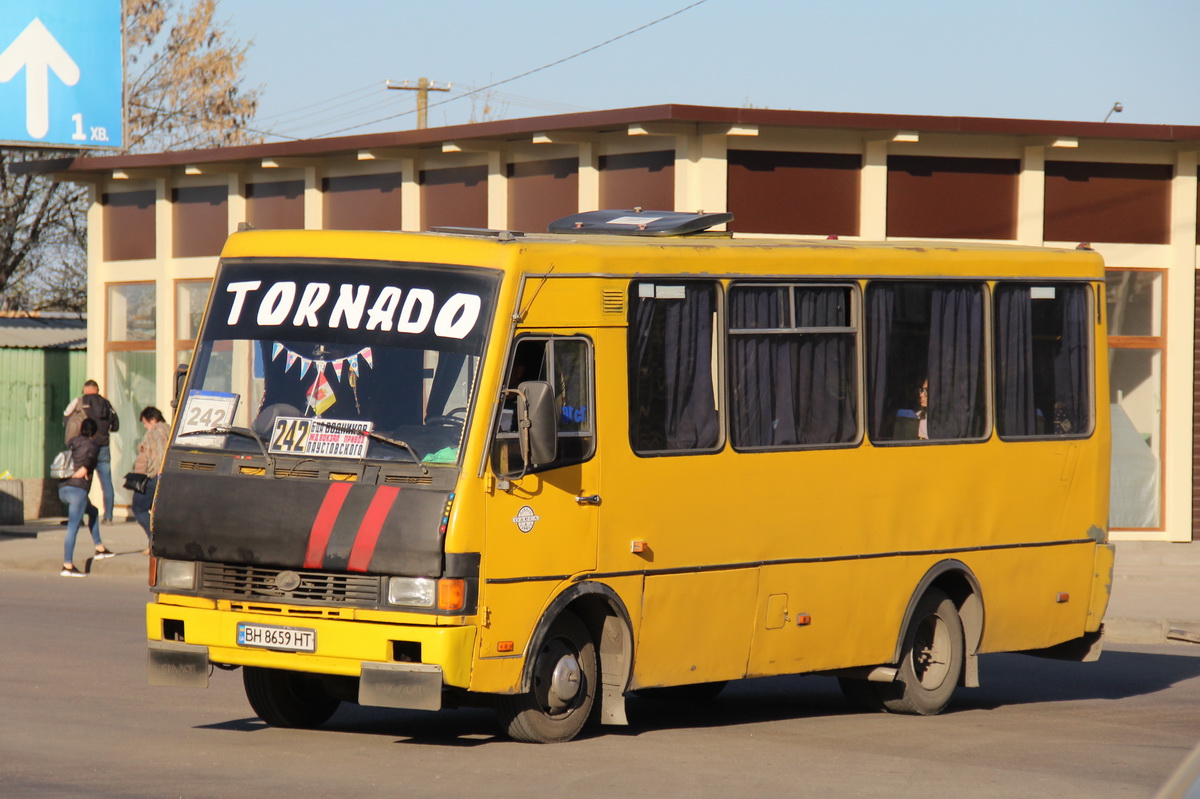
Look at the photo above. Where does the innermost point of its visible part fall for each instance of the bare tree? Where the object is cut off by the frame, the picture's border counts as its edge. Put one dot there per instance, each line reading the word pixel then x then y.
pixel 184 92
pixel 184 83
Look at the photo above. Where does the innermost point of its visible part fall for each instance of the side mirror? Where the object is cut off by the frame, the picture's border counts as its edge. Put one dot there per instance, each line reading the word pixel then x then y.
pixel 181 373
pixel 537 423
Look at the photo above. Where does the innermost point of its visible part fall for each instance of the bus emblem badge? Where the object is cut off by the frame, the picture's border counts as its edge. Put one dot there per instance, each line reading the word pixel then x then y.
pixel 525 519
pixel 287 581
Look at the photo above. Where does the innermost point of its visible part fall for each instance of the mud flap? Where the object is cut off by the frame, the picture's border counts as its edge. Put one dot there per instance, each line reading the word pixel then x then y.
pixel 170 663
pixel 409 686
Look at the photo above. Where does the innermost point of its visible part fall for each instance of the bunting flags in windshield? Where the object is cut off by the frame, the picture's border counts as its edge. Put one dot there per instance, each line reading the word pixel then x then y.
pixel 321 394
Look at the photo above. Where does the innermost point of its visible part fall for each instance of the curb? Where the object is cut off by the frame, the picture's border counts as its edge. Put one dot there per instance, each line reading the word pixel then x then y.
pixel 1150 631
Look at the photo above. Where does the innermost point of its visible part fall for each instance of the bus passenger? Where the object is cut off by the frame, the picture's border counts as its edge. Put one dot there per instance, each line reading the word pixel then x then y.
pixel 913 424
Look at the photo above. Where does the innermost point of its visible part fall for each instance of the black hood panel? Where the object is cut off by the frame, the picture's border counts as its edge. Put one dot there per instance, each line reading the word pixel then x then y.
pixel 300 524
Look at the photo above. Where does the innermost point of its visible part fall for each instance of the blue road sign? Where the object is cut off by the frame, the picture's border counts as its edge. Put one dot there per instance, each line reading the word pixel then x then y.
pixel 61 73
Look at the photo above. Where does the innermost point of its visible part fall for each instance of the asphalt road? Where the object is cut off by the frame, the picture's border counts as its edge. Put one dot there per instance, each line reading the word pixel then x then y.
pixel 77 719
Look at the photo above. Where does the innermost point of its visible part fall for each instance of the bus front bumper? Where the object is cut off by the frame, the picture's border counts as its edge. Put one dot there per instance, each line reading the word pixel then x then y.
pixel 185 642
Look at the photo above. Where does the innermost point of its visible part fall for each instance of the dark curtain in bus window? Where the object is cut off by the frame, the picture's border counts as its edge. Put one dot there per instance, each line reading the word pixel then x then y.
pixel 1072 414
pixel 791 388
pixel 1042 347
pixel 956 386
pixel 671 395
pixel 1016 414
pixel 918 334
pixel 881 311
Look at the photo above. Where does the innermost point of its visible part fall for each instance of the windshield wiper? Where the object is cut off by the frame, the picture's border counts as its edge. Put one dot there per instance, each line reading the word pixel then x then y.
pixel 244 432
pixel 395 442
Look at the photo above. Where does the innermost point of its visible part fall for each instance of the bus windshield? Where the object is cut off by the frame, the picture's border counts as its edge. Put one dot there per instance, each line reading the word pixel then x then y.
pixel 345 360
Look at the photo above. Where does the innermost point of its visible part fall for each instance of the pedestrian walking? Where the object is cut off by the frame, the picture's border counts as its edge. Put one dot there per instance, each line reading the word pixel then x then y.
pixel 73 491
pixel 91 405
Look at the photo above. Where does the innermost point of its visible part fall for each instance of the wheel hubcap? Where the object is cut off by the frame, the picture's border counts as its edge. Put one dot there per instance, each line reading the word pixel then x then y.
pixel 931 652
pixel 561 678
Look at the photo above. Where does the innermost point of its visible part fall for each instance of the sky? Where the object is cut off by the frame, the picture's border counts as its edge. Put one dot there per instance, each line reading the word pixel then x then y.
pixel 322 67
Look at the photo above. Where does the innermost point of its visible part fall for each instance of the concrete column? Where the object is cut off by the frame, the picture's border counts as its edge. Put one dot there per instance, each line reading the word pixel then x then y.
pixel 314 201
pixel 589 177
pixel 1031 197
pixel 872 192
pixel 701 172
pixel 497 190
pixel 410 194
pixel 1181 347
pixel 236 200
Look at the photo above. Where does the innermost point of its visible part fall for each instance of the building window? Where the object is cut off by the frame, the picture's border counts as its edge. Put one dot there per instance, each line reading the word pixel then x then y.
pixel 541 191
pixel 362 202
pixel 201 220
pixel 276 205
pixel 130 375
pixel 129 225
pixel 796 193
pixel 956 198
pixel 1136 350
pixel 190 299
pixel 1129 203
pixel 644 180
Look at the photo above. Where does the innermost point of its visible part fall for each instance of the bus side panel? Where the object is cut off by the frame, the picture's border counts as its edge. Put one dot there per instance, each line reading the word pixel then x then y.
pixel 814 616
pixel 696 628
pixel 1034 598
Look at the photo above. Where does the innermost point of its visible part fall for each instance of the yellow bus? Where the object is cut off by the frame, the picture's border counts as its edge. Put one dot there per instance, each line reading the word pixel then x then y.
pixel 542 472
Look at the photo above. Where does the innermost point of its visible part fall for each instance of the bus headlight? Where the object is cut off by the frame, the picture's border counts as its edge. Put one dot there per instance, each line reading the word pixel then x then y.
pixel 177 574
pixel 420 592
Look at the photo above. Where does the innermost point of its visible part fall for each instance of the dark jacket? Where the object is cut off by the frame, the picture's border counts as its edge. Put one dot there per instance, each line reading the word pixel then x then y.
pixel 84 452
pixel 100 411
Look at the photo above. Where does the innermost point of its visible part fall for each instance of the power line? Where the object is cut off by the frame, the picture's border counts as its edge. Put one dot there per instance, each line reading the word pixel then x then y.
pixel 529 72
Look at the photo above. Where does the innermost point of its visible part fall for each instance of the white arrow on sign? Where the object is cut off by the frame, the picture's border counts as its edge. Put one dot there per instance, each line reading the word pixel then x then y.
pixel 37 51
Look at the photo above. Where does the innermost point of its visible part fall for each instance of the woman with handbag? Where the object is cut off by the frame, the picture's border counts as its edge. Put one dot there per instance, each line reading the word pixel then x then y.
pixel 149 460
pixel 73 491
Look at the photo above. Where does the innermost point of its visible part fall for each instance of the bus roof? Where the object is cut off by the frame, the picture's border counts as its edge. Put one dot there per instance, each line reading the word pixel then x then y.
pixel 697 254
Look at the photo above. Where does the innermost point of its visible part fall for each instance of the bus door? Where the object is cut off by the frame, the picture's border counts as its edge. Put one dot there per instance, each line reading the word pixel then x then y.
pixel 541 519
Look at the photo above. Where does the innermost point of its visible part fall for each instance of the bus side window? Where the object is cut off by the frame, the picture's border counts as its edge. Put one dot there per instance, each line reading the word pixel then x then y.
pixel 793 368
pixel 1042 355
pixel 565 363
pixel 925 361
pixel 672 379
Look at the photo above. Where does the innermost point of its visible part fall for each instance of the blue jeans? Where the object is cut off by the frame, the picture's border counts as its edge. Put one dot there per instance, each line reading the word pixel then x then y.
pixel 76 500
pixel 104 472
pixel 141 504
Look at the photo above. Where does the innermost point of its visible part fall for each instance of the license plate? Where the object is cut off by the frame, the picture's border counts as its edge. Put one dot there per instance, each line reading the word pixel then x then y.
pixel 287 639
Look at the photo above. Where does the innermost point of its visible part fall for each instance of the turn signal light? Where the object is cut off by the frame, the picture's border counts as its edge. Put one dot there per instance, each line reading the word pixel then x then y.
pixel 452 594
pixel 153 576
pixel 1062 597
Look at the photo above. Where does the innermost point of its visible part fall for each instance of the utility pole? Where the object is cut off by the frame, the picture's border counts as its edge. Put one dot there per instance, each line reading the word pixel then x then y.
pixel 423 88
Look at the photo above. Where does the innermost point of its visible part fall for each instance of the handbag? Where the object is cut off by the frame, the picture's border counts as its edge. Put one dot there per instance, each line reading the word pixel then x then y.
pixel 136 481
pixel 63 466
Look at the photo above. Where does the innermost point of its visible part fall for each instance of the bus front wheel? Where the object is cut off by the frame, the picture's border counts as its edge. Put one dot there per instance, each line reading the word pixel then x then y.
pixel 931 662
pixel 564 687
pixel 287 698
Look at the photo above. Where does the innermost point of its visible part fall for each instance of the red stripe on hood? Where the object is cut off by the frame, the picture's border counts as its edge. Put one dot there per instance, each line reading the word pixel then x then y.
pixel 372 525
pixel 322 527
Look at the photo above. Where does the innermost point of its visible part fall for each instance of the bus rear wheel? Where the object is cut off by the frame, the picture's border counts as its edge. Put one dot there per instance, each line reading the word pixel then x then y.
pixel 564 687
pixel 288 698
pixel 931 662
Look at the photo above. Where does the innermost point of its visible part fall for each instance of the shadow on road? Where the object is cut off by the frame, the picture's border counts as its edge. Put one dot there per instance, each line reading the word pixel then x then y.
pixel 1007 680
